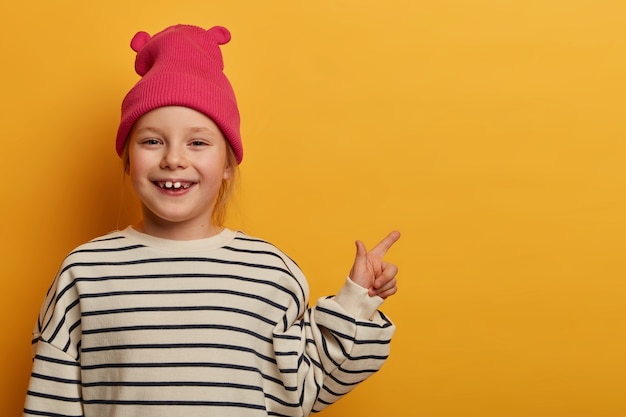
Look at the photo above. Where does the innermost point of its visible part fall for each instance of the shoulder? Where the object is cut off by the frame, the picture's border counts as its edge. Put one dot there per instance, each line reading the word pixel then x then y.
pixel 247 244
pixel 264 254
pixel 250 243
pixel 92 253
pixel 106 246
pixel 114 240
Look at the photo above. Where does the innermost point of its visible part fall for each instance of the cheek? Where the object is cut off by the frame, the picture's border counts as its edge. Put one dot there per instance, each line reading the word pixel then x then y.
pixel 134 180
pixel 137 168
pixel 217 165
pixel 215 174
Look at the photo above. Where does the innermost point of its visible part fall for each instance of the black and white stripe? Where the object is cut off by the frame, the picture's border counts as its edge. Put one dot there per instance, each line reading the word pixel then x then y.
pixel 135 325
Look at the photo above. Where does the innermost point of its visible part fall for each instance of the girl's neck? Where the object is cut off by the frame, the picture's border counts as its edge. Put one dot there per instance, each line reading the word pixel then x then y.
pixel 178 231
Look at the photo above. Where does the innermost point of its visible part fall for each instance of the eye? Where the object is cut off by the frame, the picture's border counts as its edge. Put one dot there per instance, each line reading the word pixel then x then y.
pixel 199 143
pixel 150 141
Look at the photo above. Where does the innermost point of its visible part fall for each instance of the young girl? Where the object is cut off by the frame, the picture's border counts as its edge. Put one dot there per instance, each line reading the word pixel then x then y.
pixel 177 315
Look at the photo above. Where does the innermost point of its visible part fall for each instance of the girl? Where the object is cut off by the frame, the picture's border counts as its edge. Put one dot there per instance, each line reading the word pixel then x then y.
pixel 177 315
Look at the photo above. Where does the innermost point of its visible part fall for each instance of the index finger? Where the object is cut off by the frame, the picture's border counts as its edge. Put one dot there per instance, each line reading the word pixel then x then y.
pixel 384 245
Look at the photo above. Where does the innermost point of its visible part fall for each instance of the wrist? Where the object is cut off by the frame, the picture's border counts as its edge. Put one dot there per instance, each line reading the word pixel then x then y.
pixel 357 301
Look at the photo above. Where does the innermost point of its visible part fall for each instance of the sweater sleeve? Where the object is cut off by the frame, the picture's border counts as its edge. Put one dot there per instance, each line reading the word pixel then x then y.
pixel 342 340
pixel 55 383
pixel 54 388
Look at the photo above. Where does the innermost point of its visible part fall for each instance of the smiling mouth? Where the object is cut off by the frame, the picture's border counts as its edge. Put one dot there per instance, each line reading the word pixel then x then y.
pixel 173 185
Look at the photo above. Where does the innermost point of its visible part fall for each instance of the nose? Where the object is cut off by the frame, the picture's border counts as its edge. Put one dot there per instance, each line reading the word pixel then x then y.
pixel 174 158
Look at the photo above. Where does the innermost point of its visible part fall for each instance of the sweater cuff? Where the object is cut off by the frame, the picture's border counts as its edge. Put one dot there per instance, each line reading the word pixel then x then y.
pixel 357 301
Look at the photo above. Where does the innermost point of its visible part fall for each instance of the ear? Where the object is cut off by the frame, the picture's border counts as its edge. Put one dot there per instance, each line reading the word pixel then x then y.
pixel 228 171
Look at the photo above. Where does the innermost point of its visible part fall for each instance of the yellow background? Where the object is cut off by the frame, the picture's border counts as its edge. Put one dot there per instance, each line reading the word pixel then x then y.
pixel 490 132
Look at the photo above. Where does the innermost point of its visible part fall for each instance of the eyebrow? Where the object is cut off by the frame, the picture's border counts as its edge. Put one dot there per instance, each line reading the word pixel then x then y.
pixel 147 129
pixel 191 129
pixel 201 129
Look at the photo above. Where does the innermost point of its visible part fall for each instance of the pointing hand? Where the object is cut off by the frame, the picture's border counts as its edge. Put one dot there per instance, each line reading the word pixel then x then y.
pixel 371 271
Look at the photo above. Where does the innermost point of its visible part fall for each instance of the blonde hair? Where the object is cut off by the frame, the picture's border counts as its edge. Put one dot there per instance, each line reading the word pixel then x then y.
pixel 226 189
pixel 218 216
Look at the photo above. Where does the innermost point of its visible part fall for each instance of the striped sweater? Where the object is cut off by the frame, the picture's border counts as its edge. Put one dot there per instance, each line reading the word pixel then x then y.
pixel 135 325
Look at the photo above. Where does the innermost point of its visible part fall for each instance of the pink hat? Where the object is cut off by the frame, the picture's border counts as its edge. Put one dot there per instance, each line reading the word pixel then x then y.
pixel 182 66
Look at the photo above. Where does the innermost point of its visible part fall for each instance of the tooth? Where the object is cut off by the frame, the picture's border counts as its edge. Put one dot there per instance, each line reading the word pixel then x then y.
pixel 177 184
pixel 168 184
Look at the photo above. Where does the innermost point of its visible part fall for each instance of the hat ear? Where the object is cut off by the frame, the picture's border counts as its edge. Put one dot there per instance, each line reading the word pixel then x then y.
pixel 139 41
pixel 220 34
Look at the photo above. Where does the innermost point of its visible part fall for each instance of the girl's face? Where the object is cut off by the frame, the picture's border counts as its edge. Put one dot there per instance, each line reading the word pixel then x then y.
pixel 177 163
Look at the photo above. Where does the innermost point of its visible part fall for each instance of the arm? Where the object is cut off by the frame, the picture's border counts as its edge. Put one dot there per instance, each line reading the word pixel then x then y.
pixel 55 383
pixel 54 387
pixel 343 339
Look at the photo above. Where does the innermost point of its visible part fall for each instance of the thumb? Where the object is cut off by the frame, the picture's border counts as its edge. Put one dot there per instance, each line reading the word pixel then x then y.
pixel 358 273
pixel 361 251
